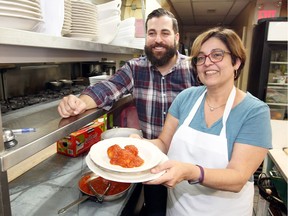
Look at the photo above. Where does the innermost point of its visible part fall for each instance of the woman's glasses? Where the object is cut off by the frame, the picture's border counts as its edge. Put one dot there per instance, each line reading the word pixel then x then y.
pixel 215 56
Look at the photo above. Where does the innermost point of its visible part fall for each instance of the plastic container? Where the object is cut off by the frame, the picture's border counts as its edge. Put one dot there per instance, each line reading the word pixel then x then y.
pixel 277 114
pixel 116 4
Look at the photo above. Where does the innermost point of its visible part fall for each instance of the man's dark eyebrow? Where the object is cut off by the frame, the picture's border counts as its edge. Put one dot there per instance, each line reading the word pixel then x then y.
pixel 151 30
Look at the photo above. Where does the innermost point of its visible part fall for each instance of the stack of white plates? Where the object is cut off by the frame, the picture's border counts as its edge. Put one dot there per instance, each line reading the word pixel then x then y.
pixel 98 161
pixel 67 24
pixel 84 20
pixel 20 14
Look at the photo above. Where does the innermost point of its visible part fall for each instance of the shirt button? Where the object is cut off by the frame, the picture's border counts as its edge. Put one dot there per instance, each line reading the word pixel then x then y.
pixel 164 94
pixel 163 78
pixel 164 113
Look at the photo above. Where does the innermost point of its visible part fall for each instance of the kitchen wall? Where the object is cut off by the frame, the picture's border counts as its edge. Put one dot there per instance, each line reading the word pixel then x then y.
pixel 244 25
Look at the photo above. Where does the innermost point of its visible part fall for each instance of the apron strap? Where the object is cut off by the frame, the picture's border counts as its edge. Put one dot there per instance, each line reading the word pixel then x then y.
pixel 227 110
pixel 194 109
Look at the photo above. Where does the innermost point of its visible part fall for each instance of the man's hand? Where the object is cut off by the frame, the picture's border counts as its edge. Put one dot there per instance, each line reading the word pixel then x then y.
pixel 71 106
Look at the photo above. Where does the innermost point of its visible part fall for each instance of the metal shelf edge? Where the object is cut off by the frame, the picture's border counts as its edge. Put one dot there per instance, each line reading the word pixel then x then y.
pixel 10 158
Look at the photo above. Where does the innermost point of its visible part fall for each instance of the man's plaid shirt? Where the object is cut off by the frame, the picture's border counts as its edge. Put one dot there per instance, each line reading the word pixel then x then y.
pixel 152 92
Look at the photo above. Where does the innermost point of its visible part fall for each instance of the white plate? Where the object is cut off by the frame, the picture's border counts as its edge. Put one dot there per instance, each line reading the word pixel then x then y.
pixel 84 30
pixel 150 153
pixel 83 5
pixel 79 36
pixel 80 11
pixel 18 22
pixel 33 3
pixel 20 12
pixel 73 31
pixel 85 22
pixel 15 5
pixel 86 17
pixel 83 8
pixel 122 177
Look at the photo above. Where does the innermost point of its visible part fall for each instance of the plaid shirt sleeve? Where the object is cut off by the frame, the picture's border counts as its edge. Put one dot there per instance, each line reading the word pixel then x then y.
pixel 109 91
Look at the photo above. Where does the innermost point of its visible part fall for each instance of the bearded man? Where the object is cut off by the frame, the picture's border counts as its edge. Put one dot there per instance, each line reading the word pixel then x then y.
pixel 154 81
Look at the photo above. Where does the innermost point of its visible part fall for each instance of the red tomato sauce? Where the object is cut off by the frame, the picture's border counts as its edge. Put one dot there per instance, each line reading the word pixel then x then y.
pixel 100 184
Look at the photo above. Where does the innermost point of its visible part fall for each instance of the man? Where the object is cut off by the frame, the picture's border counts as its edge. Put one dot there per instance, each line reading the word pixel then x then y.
pixel 153 80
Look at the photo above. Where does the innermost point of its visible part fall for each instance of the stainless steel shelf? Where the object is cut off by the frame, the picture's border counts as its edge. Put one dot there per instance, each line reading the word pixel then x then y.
pixel 273 85
pixel 277 104
pixel 18 46
pixel 279 62
pixel 50 127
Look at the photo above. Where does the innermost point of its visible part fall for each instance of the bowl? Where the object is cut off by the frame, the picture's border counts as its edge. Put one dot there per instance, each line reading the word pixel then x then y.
pixel 116 191
pixel 120 132
pixel 109 19
pixel 18 22
pixel 128 22
pixel 104 14
pixel 116 4
pixel 107 31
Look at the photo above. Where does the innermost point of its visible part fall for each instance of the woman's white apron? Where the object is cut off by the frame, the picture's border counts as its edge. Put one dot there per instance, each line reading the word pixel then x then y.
pixel 209 151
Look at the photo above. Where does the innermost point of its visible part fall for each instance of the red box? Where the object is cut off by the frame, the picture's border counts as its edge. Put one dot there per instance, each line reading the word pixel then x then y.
pixel 80 141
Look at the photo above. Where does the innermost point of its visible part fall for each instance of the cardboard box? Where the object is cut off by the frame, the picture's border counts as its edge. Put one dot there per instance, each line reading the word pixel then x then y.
pixel 80 141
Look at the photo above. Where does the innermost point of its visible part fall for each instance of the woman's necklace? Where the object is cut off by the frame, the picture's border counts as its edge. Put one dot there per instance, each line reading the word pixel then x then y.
pixel 214 108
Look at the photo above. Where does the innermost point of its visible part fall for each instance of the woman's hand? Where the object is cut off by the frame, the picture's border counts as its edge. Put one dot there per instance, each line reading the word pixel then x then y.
pixel 137 136
pixel 175 172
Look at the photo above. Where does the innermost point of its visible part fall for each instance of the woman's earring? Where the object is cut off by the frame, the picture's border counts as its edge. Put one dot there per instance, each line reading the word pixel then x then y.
pixel 235 74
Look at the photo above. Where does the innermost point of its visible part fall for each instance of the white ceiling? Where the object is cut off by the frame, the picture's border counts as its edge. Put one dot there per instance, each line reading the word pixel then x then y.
pixel 208 12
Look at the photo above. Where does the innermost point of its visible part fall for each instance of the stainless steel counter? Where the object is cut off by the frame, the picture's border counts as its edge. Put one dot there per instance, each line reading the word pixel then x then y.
pixel 50 127
pixel 53 184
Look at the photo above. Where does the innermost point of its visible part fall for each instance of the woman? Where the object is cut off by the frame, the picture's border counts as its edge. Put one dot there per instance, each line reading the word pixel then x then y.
pixel 216 135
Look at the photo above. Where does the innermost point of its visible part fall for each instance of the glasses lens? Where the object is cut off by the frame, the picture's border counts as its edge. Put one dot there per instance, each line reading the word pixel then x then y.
pixel 199 59
pixel 216 56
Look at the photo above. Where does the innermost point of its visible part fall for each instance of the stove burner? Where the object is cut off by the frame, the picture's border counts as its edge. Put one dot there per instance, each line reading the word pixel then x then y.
pixel 43 96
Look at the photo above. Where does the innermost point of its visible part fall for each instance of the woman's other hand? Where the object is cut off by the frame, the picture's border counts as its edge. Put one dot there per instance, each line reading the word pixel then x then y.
pixel 175 172
pixel 137 136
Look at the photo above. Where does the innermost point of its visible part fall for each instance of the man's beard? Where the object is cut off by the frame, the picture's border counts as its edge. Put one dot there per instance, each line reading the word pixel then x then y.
pixel 163 59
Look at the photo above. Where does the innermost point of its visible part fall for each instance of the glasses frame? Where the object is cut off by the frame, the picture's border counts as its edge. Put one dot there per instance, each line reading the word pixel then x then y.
pixel 222 51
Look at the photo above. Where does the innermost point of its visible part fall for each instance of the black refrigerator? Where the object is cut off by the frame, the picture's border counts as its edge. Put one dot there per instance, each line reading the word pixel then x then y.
pixel 268 73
